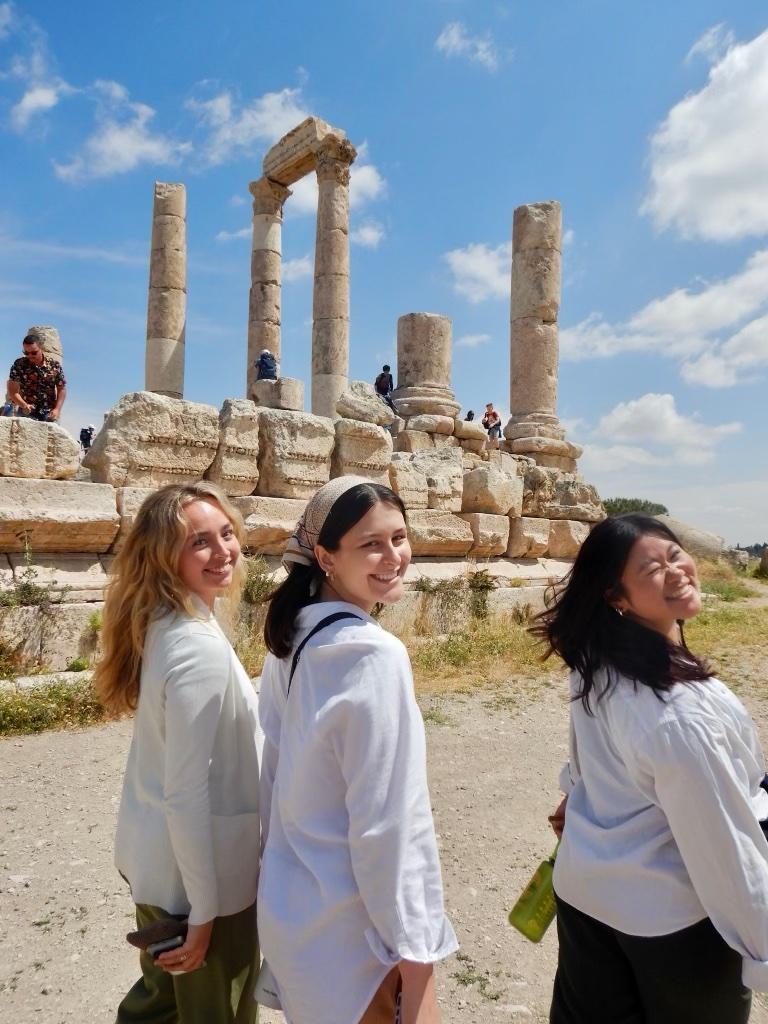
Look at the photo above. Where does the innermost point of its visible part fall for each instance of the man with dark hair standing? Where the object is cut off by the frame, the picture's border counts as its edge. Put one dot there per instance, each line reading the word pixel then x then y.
pixel 36 383
pixel 384 386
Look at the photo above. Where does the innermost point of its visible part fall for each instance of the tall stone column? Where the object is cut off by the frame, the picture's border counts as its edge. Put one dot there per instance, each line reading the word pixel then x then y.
pixel 266 256
pixel 330 304
pixel 424 349
pixel 167 305
pixel 534 428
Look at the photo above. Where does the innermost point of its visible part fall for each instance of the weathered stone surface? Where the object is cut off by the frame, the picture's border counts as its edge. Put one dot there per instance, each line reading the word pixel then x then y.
pixel 445 441
pixel 431 424
pixel 170 199
pixel 528 538
pixel 235 466
pixel 413 401
pixel 283 393
pixel 407 481
pixel 68 577
pixel 56 515
pixel 698 542
pixel 414 441
pixel 551 494
pixel 490 533
pixel 566 537
pixel 436 532
pixel 293 156
pixel 424 350
pixel 294 453
pixel 546 426
pixel 469 430
pixel 491 490
pixel 445 475
pixel 537 226
pixel 167 299
pixel 67 634
pixel 536 284
pixel 37 451
pixel 129 501
pixel 269 522
pixel 536 446
pixel 534 355
pixel 149 440
pixel 362 449
pixel 360 402
pixel 21 635
pixel 473 445
pixel 555 462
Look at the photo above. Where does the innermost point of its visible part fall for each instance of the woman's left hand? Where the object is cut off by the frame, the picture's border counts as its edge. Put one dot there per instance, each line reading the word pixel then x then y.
pixel 191 955
pixel 557 820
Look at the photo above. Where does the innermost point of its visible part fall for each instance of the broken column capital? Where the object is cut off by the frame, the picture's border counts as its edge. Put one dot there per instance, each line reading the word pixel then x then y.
pixel 333 158
pixel 268 196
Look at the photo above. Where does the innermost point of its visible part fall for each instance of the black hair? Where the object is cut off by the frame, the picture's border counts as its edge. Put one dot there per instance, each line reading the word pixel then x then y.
pixel 302 585
pixel 385 367
pixel 32 339
pixel 582 625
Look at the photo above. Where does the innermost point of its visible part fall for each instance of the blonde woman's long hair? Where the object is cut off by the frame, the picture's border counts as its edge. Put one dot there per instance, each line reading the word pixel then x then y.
pixel 145 582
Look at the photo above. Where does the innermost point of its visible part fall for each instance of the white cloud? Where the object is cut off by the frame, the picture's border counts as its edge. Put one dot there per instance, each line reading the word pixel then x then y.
pixel 6 19
pixel 712 45
pixel 36 100
pixel 455 41
pixel 228 236
pixel 237 200
pixel 297 269
pixel 369 235
pixel 55 250
pixel 123 139
pixel 689 325
pixel 365 185
pixel 614 458
pixel 568 236
pixel 233 127
pixel 472 340
pixel 480 271
pixel 654 419
pixel 709 158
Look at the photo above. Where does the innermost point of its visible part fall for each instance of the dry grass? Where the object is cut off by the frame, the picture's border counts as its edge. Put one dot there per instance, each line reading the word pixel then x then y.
pixel 57 705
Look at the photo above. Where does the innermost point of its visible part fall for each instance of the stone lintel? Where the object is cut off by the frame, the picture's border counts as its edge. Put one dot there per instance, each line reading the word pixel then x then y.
pixel 293 156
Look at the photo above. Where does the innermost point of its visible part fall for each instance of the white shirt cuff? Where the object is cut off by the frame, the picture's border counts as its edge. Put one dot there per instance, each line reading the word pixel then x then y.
pixel 754 974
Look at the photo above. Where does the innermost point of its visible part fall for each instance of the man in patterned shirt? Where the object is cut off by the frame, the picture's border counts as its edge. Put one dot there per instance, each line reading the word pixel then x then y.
pixel 36 383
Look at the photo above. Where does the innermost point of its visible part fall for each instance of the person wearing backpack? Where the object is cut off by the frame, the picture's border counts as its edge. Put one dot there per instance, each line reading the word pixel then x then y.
pixel 384 386
pixel 86 437
pixel 350 904
pixel 266 366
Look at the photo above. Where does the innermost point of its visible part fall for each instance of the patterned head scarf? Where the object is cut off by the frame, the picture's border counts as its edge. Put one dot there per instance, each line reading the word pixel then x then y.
pixel 301 546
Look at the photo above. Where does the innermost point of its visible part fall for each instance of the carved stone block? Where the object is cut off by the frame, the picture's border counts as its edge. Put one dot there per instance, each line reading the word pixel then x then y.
pixel 551 494
pixel 56 515
pixel 235 466
pixel 294 453
pixel 283 393
pixel 491 490
pixel 269 522
pixel 360 402
pixel 435 532
pixel 566 537
pixel 362 449
pixel 432 424
pixel 37 451
pixel 490 533
pixel 129 501
pixel 528 538
pixel 407 481
pixel 444 471
pixel 414 441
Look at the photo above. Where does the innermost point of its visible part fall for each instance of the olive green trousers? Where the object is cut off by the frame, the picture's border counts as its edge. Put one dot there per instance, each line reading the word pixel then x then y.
pixel 219 993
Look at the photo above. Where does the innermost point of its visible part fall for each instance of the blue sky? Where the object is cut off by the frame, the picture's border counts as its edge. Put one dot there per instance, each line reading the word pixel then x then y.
pixel 647 121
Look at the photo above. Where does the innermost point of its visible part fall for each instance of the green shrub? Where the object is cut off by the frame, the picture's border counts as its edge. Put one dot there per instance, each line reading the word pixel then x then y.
pixel 258 582
pixel 79 664
pixel 55 705
pixel 617 506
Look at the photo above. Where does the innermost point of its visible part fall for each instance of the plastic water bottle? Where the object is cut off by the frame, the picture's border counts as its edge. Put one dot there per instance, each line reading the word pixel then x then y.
pixel 535 909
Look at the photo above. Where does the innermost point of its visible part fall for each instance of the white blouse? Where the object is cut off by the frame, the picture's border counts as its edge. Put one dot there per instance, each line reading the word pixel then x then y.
pixel 188 827
pixel 662 821
pixel 350 880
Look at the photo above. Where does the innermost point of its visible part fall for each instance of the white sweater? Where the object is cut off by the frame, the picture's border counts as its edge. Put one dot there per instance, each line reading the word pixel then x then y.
pixel 188 828
pixel 661 826
pixel 350 881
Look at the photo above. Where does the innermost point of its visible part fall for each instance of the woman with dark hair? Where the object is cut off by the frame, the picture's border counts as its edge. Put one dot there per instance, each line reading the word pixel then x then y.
pixel 661 877
pixel 350 904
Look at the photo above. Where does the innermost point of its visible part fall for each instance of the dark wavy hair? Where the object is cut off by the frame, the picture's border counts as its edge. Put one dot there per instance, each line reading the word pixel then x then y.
pixel 582 626
pixel 302 585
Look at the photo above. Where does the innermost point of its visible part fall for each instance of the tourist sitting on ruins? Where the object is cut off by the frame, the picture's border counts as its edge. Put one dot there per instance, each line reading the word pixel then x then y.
pixel 492 423
pixel 661 876
pixel 36 384
pixel 266 366
pixel 384 386
pixel 470 416
pixel 351 916
pixel 188 826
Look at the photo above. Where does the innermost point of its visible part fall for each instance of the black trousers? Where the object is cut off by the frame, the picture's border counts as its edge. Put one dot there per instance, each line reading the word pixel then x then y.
pixel 606 977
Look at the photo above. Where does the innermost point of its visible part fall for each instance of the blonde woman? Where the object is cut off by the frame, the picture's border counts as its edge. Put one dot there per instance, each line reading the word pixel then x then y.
pixel 188 826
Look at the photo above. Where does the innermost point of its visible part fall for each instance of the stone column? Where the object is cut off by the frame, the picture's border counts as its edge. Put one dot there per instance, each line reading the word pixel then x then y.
pixel 534 428
pixel 330 304
pixel 266 255
pixel 50 342
pixel 167 305
pixel 424 366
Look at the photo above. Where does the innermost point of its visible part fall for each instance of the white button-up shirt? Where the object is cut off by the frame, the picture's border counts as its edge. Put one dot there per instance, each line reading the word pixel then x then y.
pixel 662 822
pixel 350 881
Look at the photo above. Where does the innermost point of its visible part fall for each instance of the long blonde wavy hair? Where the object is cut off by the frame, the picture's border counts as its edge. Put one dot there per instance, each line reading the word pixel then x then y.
pixel 145 582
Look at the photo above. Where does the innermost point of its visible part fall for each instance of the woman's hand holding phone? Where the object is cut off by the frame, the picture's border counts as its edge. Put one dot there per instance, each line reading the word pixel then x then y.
pixel 191 955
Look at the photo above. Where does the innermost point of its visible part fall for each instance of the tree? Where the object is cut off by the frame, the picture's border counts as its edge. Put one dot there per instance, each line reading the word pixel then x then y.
pixel 616 506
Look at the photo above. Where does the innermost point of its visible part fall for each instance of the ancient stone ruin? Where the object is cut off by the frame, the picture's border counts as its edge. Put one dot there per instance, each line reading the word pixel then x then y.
pixel 521 510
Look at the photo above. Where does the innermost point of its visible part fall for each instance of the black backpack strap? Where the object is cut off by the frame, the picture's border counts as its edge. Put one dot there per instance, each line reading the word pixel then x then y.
pixel 327 621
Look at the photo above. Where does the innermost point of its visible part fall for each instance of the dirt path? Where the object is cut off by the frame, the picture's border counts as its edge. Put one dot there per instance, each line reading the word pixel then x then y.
pixel 494 758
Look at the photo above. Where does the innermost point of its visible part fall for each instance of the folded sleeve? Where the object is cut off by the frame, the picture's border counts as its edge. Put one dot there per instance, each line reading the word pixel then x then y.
pixel 197 676
pixel 378 737
pixel 702 787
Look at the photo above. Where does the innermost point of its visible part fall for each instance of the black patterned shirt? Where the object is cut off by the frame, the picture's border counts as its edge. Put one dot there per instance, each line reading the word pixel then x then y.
pixel 38 384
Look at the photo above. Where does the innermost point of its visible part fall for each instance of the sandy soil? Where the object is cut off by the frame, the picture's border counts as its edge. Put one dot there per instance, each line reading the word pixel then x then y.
pixel 494 758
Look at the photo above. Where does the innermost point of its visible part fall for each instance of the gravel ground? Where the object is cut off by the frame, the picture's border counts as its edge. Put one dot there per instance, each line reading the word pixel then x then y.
pixel 494 759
